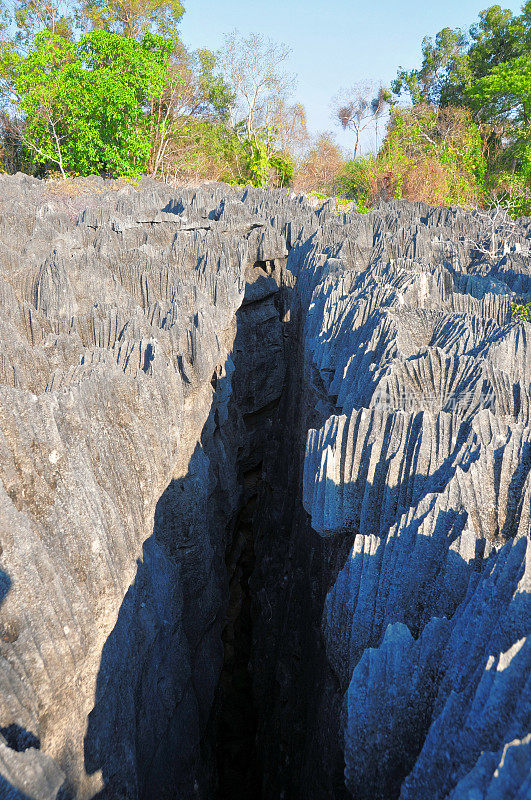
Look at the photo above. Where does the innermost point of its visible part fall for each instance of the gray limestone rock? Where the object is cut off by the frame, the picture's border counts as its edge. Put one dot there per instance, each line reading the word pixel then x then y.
pixel 265 498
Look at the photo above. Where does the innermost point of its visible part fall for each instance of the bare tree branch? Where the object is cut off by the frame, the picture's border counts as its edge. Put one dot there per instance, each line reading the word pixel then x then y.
pixel 501 228
pixel 253 66
pixel 358 108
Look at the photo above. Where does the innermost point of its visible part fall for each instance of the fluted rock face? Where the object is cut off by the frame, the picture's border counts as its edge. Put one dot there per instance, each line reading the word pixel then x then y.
pixel 118 316
pixel 200 383
pixel 426 465
pixel 412 401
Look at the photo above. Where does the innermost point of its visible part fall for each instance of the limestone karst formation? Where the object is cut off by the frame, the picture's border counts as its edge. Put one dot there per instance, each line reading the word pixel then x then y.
pixel 265 498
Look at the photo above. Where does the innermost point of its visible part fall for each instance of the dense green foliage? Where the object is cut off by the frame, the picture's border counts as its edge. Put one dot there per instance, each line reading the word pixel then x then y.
pixel 486 70
pixel 258 159
pixel 106 86
pixel 466 137
pixel 506 90
pixel 521 312
pixel 84 102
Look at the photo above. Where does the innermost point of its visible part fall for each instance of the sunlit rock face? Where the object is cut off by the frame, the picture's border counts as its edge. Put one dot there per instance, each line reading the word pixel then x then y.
pixel 264 498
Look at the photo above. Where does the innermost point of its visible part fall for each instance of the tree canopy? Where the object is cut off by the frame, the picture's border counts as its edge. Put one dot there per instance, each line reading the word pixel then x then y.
pixel 107 86
pixel 486 70
pixel 133 18
pixel 456 59
pixel 84 102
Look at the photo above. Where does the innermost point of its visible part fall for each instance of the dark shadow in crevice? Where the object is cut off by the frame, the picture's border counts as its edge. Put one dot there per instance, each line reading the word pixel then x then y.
pixel 19 739
pixel 146 728
pixel 162 724
pixel 5 585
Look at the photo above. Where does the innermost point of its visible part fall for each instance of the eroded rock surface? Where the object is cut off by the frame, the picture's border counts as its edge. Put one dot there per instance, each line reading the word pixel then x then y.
pixel 265 498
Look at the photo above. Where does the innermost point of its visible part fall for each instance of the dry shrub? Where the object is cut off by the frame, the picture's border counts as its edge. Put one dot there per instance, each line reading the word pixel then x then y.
pixel 434 183
pixel 425 180
pixel 422 179
pixel 321 169
pixel 432 155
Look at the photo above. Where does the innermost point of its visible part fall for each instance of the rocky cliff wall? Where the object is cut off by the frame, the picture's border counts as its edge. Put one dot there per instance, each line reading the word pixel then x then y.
pixel 412 398
pixel 265 498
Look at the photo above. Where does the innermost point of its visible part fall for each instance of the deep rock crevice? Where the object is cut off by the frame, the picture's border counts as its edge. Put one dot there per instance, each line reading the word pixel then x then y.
pixel 257 386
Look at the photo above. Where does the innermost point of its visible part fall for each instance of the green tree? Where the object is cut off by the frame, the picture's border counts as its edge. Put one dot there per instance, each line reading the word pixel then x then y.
pixel 456 59
pixel 507 89
pixel 444 64
pixel 42 82
pixel 84 104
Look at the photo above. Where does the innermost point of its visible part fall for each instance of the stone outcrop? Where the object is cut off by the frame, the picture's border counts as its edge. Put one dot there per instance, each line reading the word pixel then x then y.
pixel 265 498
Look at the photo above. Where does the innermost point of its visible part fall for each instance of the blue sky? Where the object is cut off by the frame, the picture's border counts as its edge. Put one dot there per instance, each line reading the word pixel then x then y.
pixel 335 43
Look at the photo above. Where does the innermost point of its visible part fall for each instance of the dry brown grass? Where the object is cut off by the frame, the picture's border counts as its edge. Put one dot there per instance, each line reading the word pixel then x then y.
pixel 75 187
